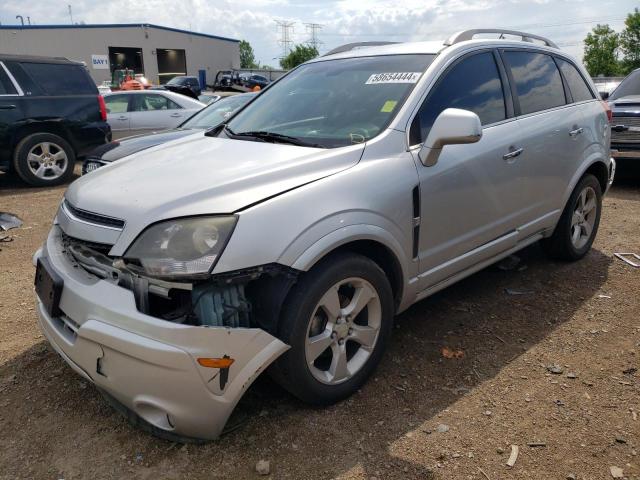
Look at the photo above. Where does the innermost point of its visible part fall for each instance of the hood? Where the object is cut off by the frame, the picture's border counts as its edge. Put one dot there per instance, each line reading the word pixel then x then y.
pixel 201 175
pixel 121 148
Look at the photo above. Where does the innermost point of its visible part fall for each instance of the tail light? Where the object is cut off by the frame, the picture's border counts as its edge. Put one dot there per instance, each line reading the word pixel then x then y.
pixel 103 108
pixel 607 109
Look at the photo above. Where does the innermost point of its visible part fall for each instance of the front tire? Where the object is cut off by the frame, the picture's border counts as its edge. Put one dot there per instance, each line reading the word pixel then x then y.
pixel 578 225
pixel 337 320
pixel 44 159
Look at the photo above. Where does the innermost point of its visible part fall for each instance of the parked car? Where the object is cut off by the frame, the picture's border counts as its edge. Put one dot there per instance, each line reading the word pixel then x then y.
pixel 183 84
pixel 137 112
pixel 50 114
pixel 206 118
pixel 208 98
pixel 256 80
pixel 625 126
pixel 104 87
pixel 358 184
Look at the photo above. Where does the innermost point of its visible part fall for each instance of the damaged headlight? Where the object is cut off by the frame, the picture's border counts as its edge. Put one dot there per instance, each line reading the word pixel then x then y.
pixel 181 247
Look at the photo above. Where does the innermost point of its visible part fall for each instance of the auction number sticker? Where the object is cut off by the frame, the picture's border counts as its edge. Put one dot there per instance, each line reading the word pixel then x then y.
pixel 393 77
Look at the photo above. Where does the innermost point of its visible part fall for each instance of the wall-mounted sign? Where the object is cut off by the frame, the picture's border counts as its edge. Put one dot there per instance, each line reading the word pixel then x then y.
pixel 100 62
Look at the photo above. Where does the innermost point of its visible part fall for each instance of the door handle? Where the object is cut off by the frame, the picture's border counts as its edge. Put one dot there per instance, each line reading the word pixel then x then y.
pixel 513 154
pixel 7 107
pixel 175 115
pixel 123 118
pixel 576 132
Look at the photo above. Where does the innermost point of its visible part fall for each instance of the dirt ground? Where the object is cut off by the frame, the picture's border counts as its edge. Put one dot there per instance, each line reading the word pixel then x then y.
pixel 422 416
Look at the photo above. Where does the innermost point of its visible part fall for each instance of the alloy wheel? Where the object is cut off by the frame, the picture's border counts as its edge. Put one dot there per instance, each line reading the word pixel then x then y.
pixel 343 331
pixel 47 160
pixel 584 217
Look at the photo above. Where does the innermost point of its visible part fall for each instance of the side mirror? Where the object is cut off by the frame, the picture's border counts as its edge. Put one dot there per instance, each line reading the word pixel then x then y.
pixel 452 127
pixel 604 95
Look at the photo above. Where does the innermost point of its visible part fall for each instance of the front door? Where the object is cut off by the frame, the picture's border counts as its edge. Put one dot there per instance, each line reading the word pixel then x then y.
pixel 153 112
pixel 470 200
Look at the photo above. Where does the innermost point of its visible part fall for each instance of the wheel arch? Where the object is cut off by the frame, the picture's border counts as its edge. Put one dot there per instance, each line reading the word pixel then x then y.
pixel 367 240
pixel 597 167
pixel 52 127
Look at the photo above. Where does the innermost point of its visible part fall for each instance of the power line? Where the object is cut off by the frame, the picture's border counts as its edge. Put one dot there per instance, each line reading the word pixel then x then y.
pixel 312 30
pixel 539 25
pixel 286 30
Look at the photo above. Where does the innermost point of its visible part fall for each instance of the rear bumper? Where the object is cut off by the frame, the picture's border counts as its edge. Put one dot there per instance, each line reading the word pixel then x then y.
pixel 625 153
pixel 612 174
pixel 149 365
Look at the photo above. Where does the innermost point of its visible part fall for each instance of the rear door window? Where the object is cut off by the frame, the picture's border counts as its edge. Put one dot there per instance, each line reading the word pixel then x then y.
pixel 6 86
pixel 537 81
pixel 580 91
pixel 472 84
pixel 117 103
pixel 150 102
pixel 61 79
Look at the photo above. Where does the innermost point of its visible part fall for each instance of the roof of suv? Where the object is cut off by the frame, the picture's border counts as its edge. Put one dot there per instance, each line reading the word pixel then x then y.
pixel 365 49
pixel 5 57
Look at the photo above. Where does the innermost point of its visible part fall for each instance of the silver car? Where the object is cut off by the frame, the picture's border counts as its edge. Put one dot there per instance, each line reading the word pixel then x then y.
pixel 289 237
pixel 135 112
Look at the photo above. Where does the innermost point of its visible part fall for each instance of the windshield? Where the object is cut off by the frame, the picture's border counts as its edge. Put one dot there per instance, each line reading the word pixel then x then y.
pixel 176 81
pixel 217 112
pixel 628 86
pixel 334 103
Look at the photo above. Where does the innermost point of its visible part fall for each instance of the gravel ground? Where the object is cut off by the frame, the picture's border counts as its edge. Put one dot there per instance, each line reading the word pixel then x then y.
pixel 422 416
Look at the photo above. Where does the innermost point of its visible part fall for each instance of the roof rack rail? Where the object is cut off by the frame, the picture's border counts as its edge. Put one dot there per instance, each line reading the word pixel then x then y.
pixel 469 34
pixel 352 46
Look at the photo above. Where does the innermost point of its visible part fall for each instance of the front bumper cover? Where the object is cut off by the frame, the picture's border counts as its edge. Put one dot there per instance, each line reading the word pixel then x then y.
pixel 147 364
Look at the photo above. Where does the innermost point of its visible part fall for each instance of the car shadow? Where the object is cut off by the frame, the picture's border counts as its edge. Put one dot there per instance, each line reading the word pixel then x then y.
pixel 11 184
pixel 413 384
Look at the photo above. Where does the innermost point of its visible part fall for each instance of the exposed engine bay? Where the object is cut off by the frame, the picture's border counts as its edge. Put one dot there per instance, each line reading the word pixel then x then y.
pixel 241 299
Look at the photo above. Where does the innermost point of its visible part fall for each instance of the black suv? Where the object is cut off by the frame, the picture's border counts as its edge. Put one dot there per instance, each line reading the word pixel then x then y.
pixel 184 84
pixel 50 114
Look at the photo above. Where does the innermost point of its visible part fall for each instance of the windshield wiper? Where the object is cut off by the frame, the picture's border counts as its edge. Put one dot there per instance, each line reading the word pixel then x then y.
pixel 275 137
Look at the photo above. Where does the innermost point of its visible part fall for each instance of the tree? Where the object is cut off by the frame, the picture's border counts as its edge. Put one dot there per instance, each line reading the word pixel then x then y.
pixel 601 51
pixel 300 54
pixel 630 42
pixel 247 57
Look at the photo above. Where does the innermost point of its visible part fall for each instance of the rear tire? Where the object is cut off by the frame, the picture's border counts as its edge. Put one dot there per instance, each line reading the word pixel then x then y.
pixel 578 225
pixel 337 320
pixel 44 159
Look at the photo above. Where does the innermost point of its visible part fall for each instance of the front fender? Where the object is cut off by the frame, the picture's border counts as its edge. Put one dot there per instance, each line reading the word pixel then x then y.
pixel 303 254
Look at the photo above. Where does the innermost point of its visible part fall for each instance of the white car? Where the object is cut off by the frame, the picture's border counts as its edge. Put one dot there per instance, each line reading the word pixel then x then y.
pixel 104 87
pixel 143 111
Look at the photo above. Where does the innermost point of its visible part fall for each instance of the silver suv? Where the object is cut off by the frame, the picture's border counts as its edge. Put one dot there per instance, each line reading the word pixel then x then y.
pixel 358 184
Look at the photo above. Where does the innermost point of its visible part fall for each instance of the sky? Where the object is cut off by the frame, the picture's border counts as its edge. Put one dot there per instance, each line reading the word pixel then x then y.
pixel 564 21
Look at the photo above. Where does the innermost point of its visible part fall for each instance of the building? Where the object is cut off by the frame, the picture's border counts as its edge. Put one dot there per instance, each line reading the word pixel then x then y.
pixel 159 53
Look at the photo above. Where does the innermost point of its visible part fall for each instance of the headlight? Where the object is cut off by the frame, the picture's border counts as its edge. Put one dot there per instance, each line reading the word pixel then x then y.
pixel 181 247
pixel 90 166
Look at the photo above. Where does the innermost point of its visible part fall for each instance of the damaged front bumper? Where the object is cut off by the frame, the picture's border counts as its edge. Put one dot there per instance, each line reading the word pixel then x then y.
pixel 147 364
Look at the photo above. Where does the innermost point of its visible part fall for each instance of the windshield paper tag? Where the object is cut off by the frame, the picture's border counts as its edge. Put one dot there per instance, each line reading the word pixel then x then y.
pixel 397 77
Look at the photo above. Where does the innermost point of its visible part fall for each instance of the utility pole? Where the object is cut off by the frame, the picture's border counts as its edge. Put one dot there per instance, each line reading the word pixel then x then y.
pixel 312 30
pixel 70 14
pixel 286 30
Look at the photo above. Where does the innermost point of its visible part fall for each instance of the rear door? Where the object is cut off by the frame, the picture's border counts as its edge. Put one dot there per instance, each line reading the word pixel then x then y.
pixel 552 134
pixel 118 114
pixel 9 112
pixel 470 203
pixel 155 111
